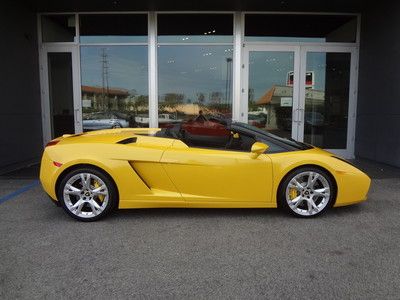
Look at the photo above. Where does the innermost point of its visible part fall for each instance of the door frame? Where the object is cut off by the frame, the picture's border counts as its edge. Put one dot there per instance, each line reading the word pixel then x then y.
pixel 296 82
pixel 45 92
pixel 348 152
pixel 299 84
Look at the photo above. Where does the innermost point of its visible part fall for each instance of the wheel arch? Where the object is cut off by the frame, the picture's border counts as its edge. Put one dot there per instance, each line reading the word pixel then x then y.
pixel 84 165
pixel 305 166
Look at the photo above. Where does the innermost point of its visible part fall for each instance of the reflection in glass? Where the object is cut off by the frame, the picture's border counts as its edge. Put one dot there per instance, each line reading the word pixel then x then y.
pixel 271 91
pixel 113 28
pixel 58 28
pixel 114 87
pixel 61 93
pixel 327 100
pixel 194 81
pixel 195 28
pixel 300 28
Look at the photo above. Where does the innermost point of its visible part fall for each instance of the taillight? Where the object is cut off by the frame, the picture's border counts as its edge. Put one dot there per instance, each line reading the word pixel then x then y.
pixel 52 143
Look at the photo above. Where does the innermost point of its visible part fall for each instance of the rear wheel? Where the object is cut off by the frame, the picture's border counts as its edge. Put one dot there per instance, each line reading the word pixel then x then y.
pixel 87 194
pixel 307 192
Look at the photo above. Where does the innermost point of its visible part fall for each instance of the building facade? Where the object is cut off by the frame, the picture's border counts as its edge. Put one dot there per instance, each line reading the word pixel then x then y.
pixel 308 72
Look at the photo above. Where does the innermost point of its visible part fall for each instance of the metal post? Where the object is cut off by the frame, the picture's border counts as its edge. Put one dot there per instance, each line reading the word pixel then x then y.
pixel 152 59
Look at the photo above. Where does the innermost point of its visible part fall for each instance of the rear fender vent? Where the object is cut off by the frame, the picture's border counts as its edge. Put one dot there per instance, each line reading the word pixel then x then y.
pixel 130 140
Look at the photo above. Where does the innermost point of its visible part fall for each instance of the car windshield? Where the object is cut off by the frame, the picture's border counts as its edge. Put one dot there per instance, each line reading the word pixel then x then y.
pixel 261 133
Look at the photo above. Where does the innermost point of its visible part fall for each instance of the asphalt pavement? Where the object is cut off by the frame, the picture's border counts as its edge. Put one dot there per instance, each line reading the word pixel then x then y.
pixel 351 252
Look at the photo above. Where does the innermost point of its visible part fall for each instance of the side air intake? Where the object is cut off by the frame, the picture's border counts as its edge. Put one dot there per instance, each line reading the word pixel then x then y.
pixel 130 140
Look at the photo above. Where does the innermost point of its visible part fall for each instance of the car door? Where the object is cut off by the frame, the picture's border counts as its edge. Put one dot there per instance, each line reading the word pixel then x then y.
pixel 213 177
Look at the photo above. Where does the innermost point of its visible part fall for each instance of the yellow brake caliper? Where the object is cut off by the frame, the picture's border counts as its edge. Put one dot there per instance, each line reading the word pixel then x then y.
pixel 292 193
pixel 97 185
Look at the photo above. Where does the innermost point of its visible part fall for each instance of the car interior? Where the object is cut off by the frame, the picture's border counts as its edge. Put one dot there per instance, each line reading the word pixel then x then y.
pixel 232 141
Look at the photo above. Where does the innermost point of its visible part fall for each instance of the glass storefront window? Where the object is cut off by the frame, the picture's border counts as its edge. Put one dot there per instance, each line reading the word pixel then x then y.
pixel 114 87
pixel 327 100
pixel 270 100
pixel 58 28
pixel 113 28
pixel 300 28
pixel 195 28
pixel 194 82
pixel 195 66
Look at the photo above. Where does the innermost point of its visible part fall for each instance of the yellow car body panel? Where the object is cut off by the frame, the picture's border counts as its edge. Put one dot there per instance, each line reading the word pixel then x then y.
pixel 164 172
pixel 219 178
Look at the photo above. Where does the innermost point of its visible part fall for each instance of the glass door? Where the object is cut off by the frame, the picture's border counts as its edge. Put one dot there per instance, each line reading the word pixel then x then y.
pixel 307 93
pixel 271 89
pixel 61 101
pixel 327 99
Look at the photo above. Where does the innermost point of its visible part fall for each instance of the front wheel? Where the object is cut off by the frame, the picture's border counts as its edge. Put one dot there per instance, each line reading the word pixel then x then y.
pixel 307 192
pixel 87 194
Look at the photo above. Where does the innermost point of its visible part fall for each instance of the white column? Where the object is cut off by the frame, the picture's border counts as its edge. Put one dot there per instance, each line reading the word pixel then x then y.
pixel 237 66
pixel 152 53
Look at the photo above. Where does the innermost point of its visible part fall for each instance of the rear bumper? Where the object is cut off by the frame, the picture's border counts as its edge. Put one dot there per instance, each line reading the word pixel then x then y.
pixel 47 175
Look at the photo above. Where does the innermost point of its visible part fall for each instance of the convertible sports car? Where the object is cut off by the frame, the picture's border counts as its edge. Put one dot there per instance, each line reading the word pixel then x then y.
pixel 92 173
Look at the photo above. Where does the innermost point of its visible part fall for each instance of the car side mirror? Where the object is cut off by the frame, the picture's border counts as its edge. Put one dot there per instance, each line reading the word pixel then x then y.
pixel 258 148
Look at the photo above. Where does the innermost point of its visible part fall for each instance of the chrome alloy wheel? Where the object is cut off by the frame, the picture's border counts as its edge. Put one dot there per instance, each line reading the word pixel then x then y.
pixel 85 195
pixel 307 193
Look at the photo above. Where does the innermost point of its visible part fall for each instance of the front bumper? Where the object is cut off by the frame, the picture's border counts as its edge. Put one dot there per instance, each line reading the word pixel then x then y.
pixel 353 187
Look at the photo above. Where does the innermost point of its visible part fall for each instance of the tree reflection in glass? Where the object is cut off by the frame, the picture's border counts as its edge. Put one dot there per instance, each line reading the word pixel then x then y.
pixel 193 79
pixel 114 87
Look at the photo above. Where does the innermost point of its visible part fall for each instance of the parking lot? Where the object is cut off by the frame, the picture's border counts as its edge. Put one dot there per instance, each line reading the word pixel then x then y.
pixel 351 252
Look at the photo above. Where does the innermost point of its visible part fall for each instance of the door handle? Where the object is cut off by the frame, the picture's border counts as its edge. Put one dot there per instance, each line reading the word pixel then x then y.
pixel 301 115
pixel 296 115
pixel 76 111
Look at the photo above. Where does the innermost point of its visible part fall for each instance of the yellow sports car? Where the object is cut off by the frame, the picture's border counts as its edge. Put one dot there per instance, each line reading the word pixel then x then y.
pixel 234 166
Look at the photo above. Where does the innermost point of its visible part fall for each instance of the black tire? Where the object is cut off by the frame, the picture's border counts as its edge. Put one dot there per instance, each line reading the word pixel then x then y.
pixel 109 206
pixel 303 210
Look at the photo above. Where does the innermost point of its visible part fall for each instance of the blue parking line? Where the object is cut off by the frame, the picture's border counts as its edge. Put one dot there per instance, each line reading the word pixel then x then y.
pixel 19 191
